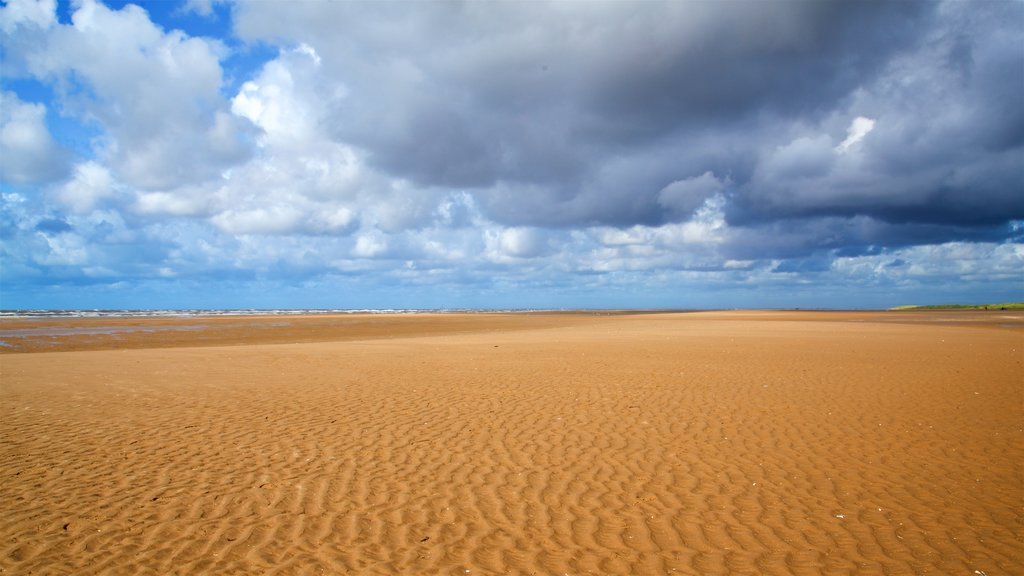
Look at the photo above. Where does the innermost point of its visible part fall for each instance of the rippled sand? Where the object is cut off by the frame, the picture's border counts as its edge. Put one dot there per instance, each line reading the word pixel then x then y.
pixel 702 443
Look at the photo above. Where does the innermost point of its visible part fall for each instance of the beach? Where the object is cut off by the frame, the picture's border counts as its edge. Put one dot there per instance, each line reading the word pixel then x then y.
pixel 731 442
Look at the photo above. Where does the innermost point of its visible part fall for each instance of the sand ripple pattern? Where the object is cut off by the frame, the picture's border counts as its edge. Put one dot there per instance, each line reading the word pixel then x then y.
pixel 669 444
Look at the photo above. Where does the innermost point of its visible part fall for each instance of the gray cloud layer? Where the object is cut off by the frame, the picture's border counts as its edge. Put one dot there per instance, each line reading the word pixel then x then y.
pixel 573 114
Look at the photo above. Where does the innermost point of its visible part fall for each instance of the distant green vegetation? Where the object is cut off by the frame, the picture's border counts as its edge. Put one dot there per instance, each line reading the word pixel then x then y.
pixel 1003 306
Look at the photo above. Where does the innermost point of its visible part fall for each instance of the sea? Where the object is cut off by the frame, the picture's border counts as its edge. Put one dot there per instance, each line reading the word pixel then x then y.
pixel 194 313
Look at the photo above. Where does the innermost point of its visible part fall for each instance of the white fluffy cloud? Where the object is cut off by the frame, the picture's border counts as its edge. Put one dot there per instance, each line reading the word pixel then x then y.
pixel 28 153
pixel 370 245
pixel 90 185
pixel 155 93
pixel 27 14
pixel 298 181
pixel 522 242
pixel 279 100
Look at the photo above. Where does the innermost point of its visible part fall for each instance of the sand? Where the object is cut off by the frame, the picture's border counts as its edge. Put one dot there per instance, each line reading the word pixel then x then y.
pixel 699 443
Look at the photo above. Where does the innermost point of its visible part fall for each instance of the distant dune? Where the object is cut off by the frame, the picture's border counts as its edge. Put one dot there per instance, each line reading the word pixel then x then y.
pixel 1003 306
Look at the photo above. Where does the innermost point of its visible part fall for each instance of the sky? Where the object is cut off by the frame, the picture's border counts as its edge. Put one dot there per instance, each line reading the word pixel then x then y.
pixel 583 154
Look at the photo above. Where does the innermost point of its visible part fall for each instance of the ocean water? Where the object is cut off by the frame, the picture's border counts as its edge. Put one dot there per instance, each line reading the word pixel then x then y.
pixel 42 314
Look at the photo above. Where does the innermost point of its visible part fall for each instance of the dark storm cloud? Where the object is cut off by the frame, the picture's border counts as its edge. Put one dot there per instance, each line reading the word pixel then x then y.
pixel 576 114
pixel 573 115
pixel 947 146
pixel 465 94
pixel 849 237
pixel 785 58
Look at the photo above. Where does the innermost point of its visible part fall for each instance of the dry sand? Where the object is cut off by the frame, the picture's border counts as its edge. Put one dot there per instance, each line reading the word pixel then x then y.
pixel 702 443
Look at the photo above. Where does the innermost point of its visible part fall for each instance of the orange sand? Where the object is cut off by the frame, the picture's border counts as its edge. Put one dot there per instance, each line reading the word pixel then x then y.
pixel 702 443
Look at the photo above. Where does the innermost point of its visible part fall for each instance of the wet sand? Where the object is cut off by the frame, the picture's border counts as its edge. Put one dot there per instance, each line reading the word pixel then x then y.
pixel 698 443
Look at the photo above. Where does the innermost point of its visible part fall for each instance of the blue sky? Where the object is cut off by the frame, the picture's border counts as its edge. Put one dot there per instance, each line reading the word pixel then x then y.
pixel 510 154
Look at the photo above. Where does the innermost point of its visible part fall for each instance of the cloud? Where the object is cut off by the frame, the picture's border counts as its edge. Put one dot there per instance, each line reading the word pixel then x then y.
pixel 573 115
pixel 684 197
pixel 941 263
pixel 539 106
pixel 201 7
pixel 540 144
pixel 186 201
pixel 858 129
pixel 942 142
pixel 370 245
pixel 522 242
pixel 89 186
pixel 28 153
pixel 27 14
pixel 265 220
pixel 274 102
pixel 156 94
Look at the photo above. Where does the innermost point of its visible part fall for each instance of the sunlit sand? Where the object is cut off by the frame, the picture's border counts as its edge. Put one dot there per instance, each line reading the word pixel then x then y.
pixel 697 443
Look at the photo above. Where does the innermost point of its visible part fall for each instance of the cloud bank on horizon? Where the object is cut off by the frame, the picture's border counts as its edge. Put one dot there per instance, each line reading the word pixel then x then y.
pixel 473 154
